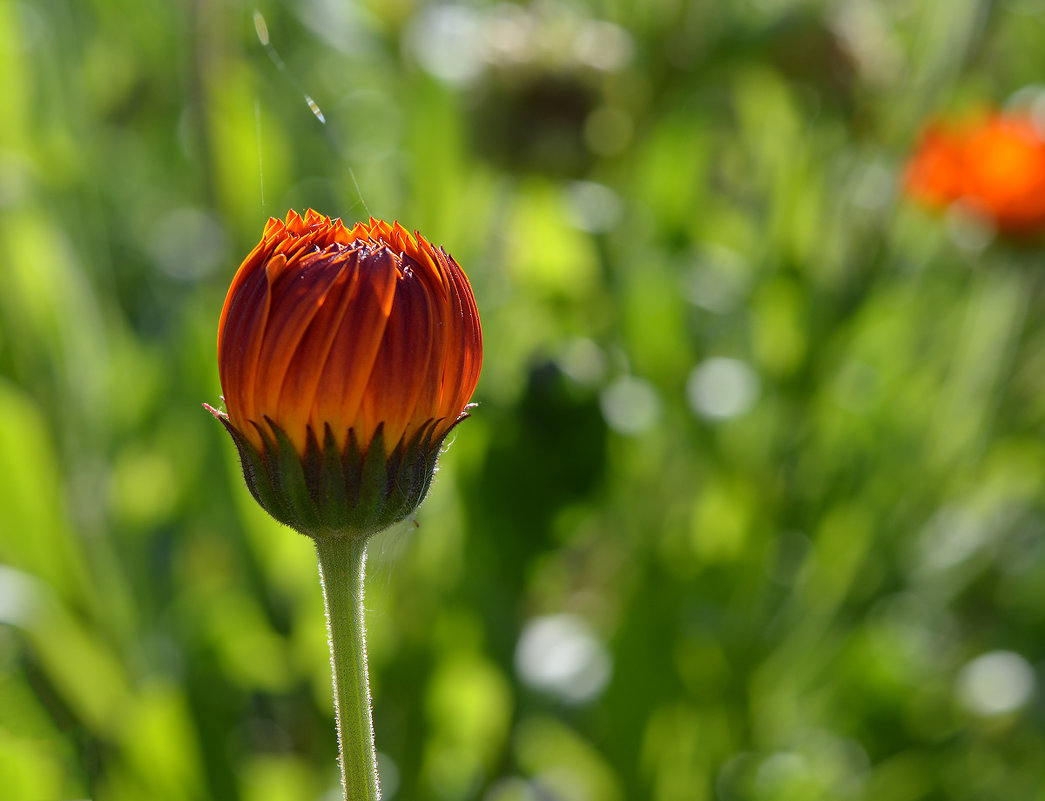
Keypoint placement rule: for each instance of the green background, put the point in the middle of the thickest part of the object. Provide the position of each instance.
(757, 466)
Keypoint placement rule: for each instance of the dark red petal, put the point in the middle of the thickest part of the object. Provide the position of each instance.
(464, 353)
(305, 370)
(440, 337)
(244, 318)
(297, 294)
(339, 395)
(402, 364)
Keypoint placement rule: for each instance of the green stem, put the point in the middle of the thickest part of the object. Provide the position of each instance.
(341, 569)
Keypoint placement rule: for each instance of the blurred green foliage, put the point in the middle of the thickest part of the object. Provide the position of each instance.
(752, 505)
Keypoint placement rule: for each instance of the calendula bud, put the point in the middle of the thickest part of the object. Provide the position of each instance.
(345, 357)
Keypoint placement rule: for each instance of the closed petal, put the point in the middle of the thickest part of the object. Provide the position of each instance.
(297, 293)
(464, 353)
(244, 319)
(346, 371)
(400, 369)
(305, 369)
(440, 333)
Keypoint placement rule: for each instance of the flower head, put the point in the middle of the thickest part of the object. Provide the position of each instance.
(354, 345)
(994, 164)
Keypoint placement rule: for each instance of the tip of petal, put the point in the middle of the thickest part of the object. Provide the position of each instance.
(294, 221)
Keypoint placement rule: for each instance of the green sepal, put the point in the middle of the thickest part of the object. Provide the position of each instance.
(352, 467)
(412, 468)
(253, 463)
(372, 478)
(327, 474)
(287, 471)
(328, 492)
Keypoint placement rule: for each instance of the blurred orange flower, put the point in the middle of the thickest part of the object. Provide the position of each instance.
(995, 164)
(332, 339)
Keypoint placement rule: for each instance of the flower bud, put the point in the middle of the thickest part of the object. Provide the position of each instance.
(345, 357)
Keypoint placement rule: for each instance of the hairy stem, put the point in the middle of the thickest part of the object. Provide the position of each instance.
(341, 569)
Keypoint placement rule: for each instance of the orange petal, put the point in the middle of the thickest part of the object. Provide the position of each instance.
(305, 369)
(297, 293)
(464, 353)
(402, 362)
(355, 346)
(244, 319)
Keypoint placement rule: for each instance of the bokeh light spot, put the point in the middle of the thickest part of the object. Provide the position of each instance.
(630, 405)
(721, 388)
(560, 655)
(996, 683)
(445, 40)
(593, 207)
(583, 361)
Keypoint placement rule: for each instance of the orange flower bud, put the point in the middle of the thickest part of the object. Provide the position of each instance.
(994, 164)
(345, 357)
